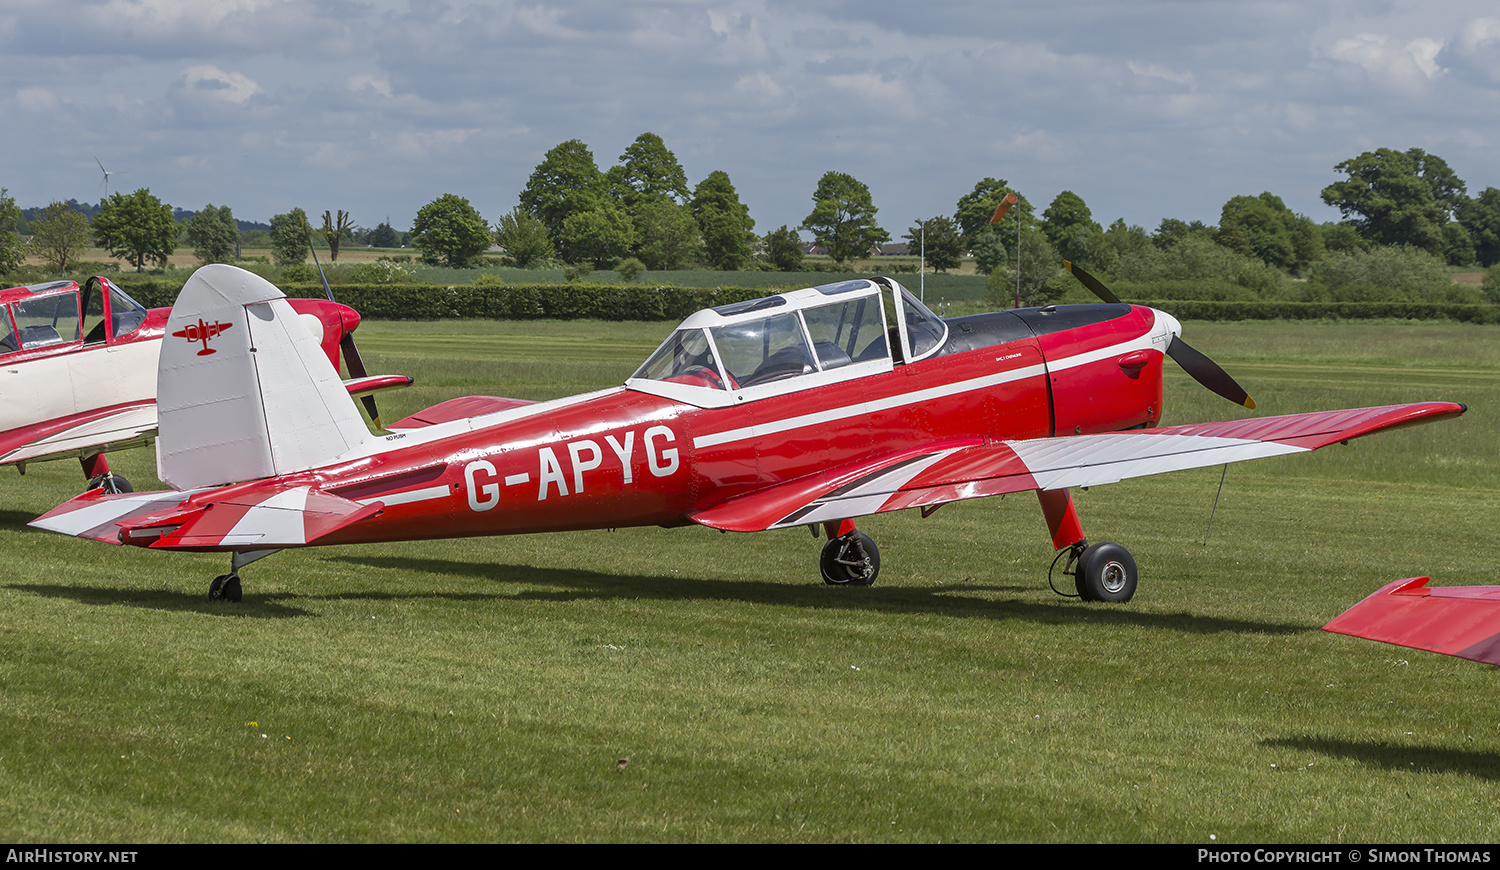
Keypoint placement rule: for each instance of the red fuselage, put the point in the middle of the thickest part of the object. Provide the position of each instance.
(624, 457)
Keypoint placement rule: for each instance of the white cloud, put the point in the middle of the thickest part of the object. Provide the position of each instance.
(208, 82)
(1405, 66)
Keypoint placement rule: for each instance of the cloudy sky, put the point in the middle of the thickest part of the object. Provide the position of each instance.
(1145, 109)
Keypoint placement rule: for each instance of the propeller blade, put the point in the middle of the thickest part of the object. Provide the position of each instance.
(1092, 283)
(1208, 373)
(1003, 207)
(352, 359)
(356, 366)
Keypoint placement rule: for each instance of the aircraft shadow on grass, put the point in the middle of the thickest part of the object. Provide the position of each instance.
(955, 600)
(1412, 759)
(260, 607)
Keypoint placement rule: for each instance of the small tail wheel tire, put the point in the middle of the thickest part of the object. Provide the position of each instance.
(226, 587)
(1106, 572)
(850, 560)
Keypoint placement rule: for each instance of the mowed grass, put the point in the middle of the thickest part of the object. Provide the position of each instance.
(684, 685)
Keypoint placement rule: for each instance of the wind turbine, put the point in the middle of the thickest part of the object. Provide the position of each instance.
(107, 174)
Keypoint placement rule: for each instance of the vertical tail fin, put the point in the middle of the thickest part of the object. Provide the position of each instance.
(243, 391)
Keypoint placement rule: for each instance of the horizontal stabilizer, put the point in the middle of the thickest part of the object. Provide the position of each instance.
(243, 517)
(952, 471)
(1462, 621)
(376, 383)
(461, 408)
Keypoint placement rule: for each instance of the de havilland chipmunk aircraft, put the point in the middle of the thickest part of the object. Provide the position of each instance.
(809, 408)
(78, 369)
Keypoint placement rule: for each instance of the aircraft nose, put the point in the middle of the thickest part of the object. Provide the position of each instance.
(1167, 326)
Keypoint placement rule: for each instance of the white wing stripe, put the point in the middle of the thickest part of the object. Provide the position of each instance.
(1057, 463)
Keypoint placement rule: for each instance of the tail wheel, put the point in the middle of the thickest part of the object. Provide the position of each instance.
(850, 560)
(1106, 572)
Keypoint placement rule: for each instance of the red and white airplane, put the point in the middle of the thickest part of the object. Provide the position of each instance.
(1462, 621)
(78, 368)
(809, 408)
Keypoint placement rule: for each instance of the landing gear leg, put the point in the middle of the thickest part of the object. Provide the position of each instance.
(226, 587)
(850, 558)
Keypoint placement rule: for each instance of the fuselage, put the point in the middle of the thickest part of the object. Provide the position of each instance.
(627, 456)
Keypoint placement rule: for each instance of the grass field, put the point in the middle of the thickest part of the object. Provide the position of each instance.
(685, 685)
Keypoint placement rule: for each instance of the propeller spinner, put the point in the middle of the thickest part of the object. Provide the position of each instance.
(1202, 369)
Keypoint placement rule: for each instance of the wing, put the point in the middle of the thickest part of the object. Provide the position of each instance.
(952, 471)
(128, 425)
(1462, 621)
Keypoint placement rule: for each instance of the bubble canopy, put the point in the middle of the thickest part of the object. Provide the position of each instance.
(793, 341)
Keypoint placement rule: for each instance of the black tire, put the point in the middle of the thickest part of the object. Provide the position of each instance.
(226, 587)
(112, 483)
(1106, 572)
(850, 560)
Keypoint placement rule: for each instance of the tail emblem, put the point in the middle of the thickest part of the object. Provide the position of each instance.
(202, 332)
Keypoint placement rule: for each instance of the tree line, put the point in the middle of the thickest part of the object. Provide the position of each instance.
(1404, 212)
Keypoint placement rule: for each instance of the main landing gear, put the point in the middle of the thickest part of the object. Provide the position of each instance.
(96, 469)
(1100, 572)
(850, 558)
(226, 587)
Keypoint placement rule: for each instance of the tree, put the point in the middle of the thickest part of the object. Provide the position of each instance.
(666, 235)
(290, 238)
(1271, 231)
(61, 235)
(599, 235)
(524, 239)
(1171, 231)
(1041, 274)
(449, 230)
(335, 229)
(1398, 197)
(211, 233)
(565, 182)
(12, 249)
(383, 236)
(939, 238)
(1064, 218)
(976, 207)
(648, 173)
(723, 222)
(136, 227)
(843, 217)
(784, 249)
(1480, 216)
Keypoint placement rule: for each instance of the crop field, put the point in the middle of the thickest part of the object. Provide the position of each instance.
(686, 685)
